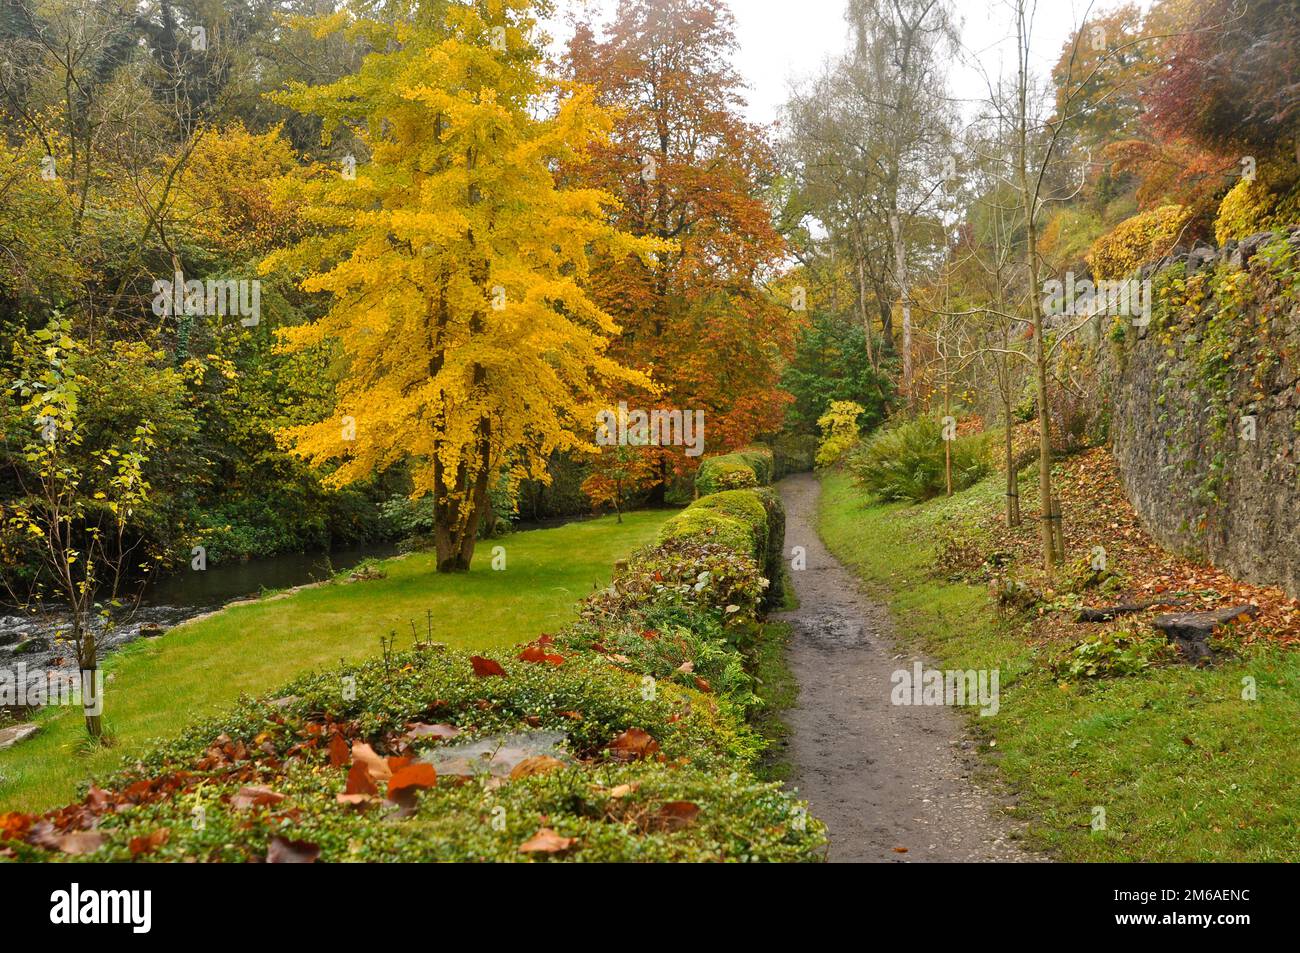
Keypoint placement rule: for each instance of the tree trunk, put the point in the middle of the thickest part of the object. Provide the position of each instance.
(1013, 485)
(91, 702)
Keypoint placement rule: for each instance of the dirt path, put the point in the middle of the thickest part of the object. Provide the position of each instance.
(881, 776)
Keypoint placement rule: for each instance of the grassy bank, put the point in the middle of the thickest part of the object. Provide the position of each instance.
(1184, 767)
(158, 686)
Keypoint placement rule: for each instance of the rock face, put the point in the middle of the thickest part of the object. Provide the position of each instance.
(15, 733)
(1205, 427)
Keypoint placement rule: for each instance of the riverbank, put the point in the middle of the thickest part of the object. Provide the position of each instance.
(157, 686)
(1171, 763)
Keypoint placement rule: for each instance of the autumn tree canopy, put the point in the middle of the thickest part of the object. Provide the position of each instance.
(687, 167)
(455, 266)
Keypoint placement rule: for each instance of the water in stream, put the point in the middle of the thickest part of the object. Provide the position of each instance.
(34, 640)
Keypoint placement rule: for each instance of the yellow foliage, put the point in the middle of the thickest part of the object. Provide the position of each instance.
(457, 269)
(1136, 241)
(839, 426)
(1271, 200)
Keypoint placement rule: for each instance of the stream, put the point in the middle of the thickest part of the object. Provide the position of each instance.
(34, 640)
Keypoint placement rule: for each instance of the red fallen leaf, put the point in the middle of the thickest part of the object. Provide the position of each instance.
(534, 653)
(359, 783)
(599, 647)
(544, 639)
(900, 850)
(546, 841)
(255, 796)
(574, 715)
(632, 745)
(397, 764)
(97, 799)
(555, 659)
(649, 634)
(338, 749)
(676, 815)
(150, 843)
(485, 667)
(421, 730)
(14, 826)
(703, 685)
(412, 776)
(374, 764)
(138, 789)
(282, 851)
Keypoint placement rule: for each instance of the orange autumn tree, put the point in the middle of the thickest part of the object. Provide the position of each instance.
(456, 267)
(687, 167)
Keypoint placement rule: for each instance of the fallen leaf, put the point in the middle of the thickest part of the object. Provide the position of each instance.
(412, 776)
(149, 843)
(255, 796)
(686, 667)
(78, 842)
(485, 667)
(633, 744)
(546, 841)
(900, 850)
(538, 764)
(375, 765)
(338, 749)
(421, 730)
(359, 783)
(282, 851)
(534, 653)
(676, 815)
(623, 790)
(14, 826)
(703, 685)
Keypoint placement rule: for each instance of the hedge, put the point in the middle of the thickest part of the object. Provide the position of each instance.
(753, 466)
(623, 737)
(751, 521)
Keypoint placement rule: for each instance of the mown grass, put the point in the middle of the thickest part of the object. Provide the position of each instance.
(1184, 767)
(157, 687)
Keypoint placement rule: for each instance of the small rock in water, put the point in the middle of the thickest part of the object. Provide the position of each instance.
(15, 733)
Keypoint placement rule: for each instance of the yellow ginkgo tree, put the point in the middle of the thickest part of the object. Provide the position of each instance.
(455, 262)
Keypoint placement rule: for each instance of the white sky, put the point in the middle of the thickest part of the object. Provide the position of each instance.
(784, 41)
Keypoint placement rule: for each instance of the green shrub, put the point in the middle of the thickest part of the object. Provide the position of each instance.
(709, 526)
(745, 507)
(727, 472)
(774, 551)
(761, 461)
(611, 810)
(1114, 654)
(906, 462)
(719, 578)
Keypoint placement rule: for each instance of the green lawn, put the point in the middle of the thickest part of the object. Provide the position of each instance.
(1184, 767)
(158, 686)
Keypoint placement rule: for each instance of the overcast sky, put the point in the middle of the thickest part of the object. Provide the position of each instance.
(783, 41)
